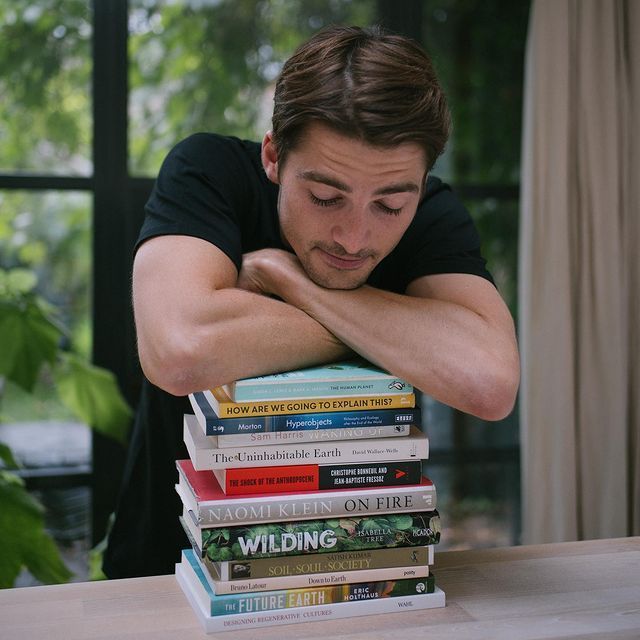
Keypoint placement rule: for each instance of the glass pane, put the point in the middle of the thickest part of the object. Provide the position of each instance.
(475, 466)
(49, 233)
(478, 50)
(478, 502)
(45, 84)
(498, 225)
(210, 66)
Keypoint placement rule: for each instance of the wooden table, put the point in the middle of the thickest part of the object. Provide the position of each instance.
(569, 590)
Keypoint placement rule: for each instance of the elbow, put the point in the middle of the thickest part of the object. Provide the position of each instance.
(495, 392)
(173, 365)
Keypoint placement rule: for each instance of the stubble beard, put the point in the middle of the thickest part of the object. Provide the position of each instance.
(331, 278)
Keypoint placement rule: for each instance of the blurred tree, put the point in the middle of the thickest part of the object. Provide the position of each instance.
(478, 50)
(45, 80)
(209, 66)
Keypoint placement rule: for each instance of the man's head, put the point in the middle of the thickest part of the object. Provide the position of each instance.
(359, 119)
(364, 83)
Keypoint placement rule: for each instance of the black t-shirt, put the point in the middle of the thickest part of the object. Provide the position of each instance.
(214, 187)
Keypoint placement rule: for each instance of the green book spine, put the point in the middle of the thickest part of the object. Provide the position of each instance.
(322, 563)
(379, 531)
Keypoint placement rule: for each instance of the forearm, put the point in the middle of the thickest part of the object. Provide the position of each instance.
(449, 352)
(198, 328)
(230, 334)
(453, 337)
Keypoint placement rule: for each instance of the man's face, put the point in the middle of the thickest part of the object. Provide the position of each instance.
(344, 205)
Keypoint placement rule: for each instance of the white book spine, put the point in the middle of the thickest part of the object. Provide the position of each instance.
(205, 453)
(239, 510)
(185, 578)
(320, 435)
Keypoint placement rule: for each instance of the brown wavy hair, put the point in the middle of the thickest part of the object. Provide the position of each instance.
(368, 84)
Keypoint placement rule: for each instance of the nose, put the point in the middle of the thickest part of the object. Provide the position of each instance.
(351, 231)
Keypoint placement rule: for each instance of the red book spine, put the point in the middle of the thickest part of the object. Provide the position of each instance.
(284, 479)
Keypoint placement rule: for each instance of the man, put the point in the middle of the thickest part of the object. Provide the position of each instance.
(328, 239)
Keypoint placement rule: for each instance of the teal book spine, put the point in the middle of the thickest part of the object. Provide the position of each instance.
(349, 378)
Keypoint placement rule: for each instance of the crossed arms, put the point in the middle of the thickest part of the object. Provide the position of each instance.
(200, 323)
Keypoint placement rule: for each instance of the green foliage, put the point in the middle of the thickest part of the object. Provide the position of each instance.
(48, 234)
(211, 66)
(6, 456)
(45, 80)
(32, 336)
(29, 337)
(23, 539)
(92, 394)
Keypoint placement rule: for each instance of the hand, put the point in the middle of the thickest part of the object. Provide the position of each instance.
(271, 272)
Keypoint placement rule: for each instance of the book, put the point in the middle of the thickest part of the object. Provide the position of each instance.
(321, 562)
(302, 581)
(193, 586)
(233, 603)
(246, 542)
(213, 425)
(201, 493)
(355, 377)
(205, 453)
(318, 477)
(321, 435)
(222, 405)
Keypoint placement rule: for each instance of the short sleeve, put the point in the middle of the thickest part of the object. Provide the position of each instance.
(201, 191)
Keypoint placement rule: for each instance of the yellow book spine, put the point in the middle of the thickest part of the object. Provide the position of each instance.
(228, 409)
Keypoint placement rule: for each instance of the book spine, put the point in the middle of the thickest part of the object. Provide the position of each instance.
(215, 426)
(232, 511)
(228, 409)
(254, 391)
(320, 536)
(322, 435)
(230, 604)
(322, 563)
(196, 594)
(313, 477)
(223, 587)
(205, 454)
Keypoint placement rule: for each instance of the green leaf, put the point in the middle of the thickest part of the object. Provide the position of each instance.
(29, 339)
(6, 455)
(402, 522)
(23, 539)
(92, 394)
(17, 282)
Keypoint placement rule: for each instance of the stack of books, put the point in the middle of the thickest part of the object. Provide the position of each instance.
(304, 499)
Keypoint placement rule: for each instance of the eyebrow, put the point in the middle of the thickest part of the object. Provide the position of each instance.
(396, 187)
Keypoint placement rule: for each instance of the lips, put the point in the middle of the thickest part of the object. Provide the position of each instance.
(345, 263)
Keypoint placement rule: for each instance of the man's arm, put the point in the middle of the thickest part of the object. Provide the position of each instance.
(451, 336)
(196, 330)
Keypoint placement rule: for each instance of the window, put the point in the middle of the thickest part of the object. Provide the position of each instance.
(96, 93)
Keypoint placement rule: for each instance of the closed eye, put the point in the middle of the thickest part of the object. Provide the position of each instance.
(389, 210)
(323, 203)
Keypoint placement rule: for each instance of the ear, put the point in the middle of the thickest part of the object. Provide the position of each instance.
(269, 157)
